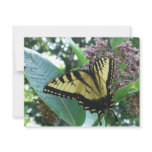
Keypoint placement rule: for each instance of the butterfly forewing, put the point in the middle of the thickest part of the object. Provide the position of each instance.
(73, 84)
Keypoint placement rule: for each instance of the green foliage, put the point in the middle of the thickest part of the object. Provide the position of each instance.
(135, 41)
(80, 54)
(117, 41)
(57, 47)
(40, 70)
(127, 90)
(28, 93)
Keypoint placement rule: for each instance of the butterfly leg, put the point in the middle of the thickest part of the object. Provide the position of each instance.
(99, 119)
(116, 119)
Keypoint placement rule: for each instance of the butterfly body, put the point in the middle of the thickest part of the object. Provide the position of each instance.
(90, 87)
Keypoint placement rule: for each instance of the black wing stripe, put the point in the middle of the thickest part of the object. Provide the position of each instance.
(78, 76)
(98, 66)
(54, 91)
(61, 79)
(68, 75)
(102, 62)
(93, 76)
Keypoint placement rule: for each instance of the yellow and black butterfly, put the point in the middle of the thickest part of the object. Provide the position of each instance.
(90, 87)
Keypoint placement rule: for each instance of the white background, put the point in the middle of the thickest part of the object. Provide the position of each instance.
(137, 14)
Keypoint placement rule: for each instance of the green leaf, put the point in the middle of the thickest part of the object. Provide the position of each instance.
(122, 66)
(96, 122)
(127, 90)
(79, 53)
(117, 41)
(135, 42)
(38, 71)
(90, 119)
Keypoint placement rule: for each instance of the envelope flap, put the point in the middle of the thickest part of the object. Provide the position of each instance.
(18, 49)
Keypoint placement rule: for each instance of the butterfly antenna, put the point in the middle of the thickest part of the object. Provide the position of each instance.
(99, 120)
(116, 119)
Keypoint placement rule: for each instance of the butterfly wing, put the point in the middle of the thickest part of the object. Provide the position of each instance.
(75, 84)
(89, 87)
(103, 69)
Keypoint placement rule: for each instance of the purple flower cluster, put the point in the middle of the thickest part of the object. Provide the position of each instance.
(96, 50)
(129, 58)
(126, 59)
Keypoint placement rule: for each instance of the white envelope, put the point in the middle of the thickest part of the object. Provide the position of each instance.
(19, 32)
